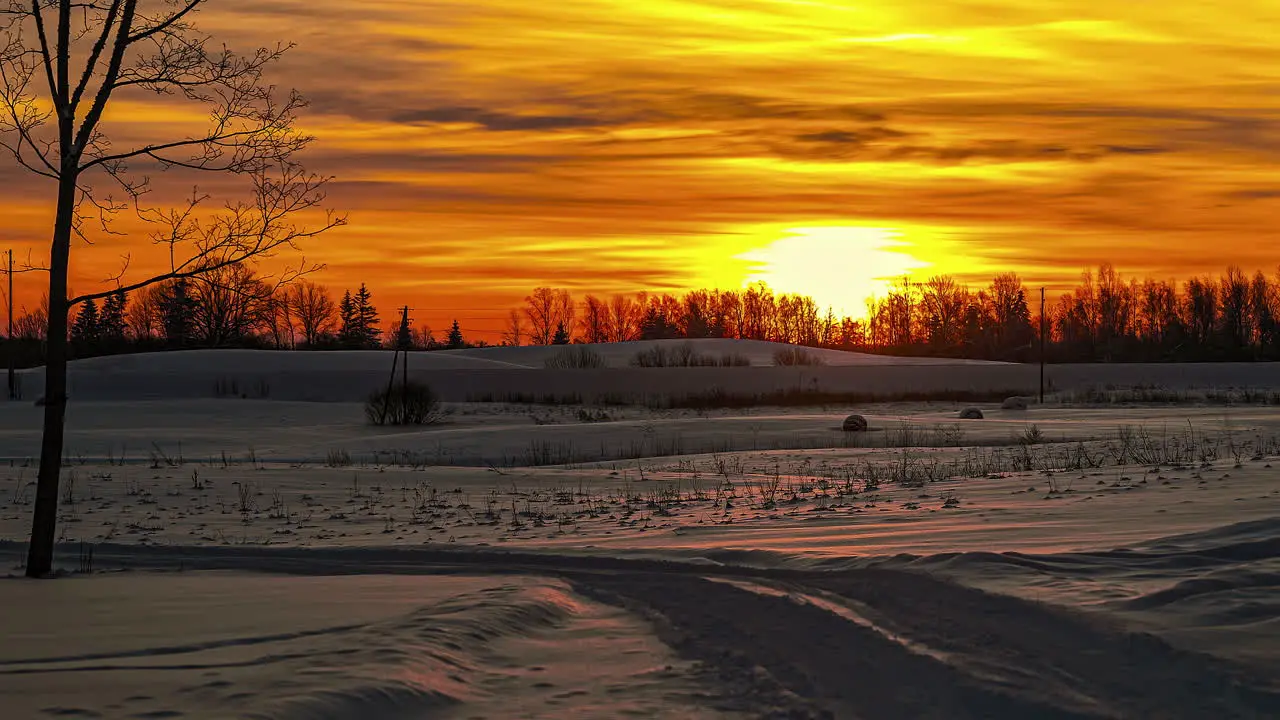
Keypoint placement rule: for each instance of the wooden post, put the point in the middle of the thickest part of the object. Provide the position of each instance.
(13, 380)
(1043, 331)
(391, 385)
(404, 345)
(401, 345)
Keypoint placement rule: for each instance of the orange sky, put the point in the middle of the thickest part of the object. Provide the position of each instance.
(483, 147)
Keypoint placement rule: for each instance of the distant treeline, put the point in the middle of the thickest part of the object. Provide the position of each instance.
(1105, 318)
(232, 307)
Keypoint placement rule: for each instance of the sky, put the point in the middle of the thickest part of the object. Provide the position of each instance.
(485, 147)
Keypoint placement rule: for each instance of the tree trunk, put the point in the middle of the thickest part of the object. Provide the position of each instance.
(44, 524)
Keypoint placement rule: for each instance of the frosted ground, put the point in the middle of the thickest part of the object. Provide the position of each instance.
(259, 551)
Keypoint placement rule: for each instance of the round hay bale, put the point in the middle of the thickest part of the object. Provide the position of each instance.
(854, 423)
(1015, 403)
(971, 413)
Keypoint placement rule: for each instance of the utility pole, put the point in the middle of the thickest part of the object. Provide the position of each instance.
(1043, 330)
(401, 345)
(406, 341)
(13, 380)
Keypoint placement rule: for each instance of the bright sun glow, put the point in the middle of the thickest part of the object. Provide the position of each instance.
(839, 266)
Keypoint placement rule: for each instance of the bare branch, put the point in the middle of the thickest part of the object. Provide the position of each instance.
(29, 266)
(21, 115)
(91, 119)
(63, 53)
(46, 56)
(165, 25)
(250, 129)
(91, 65)
(241, 233)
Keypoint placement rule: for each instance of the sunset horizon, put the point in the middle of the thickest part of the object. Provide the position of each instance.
(481, 150)
(694, 359)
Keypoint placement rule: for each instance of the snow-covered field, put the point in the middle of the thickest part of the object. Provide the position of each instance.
(502, 374)
(272, 558)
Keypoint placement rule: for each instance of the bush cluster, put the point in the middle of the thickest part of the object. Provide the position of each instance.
(797, 356)
(411, 404)
(684, 355)
(575, 358)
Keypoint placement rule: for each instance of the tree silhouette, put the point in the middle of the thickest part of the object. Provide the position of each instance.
(624, 317)
(313, 308)
(562, 335)
(145, 314)
(114, 324)
(86, 331)
(229, 304)
(365, 318)
(455, 340)
(1010, 317)
(513, 334)
(61, 64)
(1235, 319)
(548, 309)
(1262, 309)
(34, 324)
(942, 309)
(595, 320)
(348, 333)
(659, 321)
(177, 308)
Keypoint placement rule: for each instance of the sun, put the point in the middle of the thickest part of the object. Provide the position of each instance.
(839, 266)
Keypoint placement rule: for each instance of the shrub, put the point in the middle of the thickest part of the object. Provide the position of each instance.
(412, 404)
(575, 358)
(338, 458)
(796, 356)
(1033, 435)
(229, 387)
(655, 357)
(683, 355)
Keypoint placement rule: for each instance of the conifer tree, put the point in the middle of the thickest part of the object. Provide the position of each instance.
(562, 335)
(455, 337)
(178, 308)
(347, 335)
(366, 327)
(113, 319)
(86, 331)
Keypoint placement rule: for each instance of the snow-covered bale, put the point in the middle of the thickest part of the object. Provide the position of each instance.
(971, 413)
(1015, 403)
(854, 423)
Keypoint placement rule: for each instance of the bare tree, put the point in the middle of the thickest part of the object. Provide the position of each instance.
(33, 325)
(514, 332)
(146, 313)
(624, 317)
(1233, 309)
(279, 322)
(942, 306)
(314, 310)
(547, 310)
(61, 64)
(595, 320)
(230, 304)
